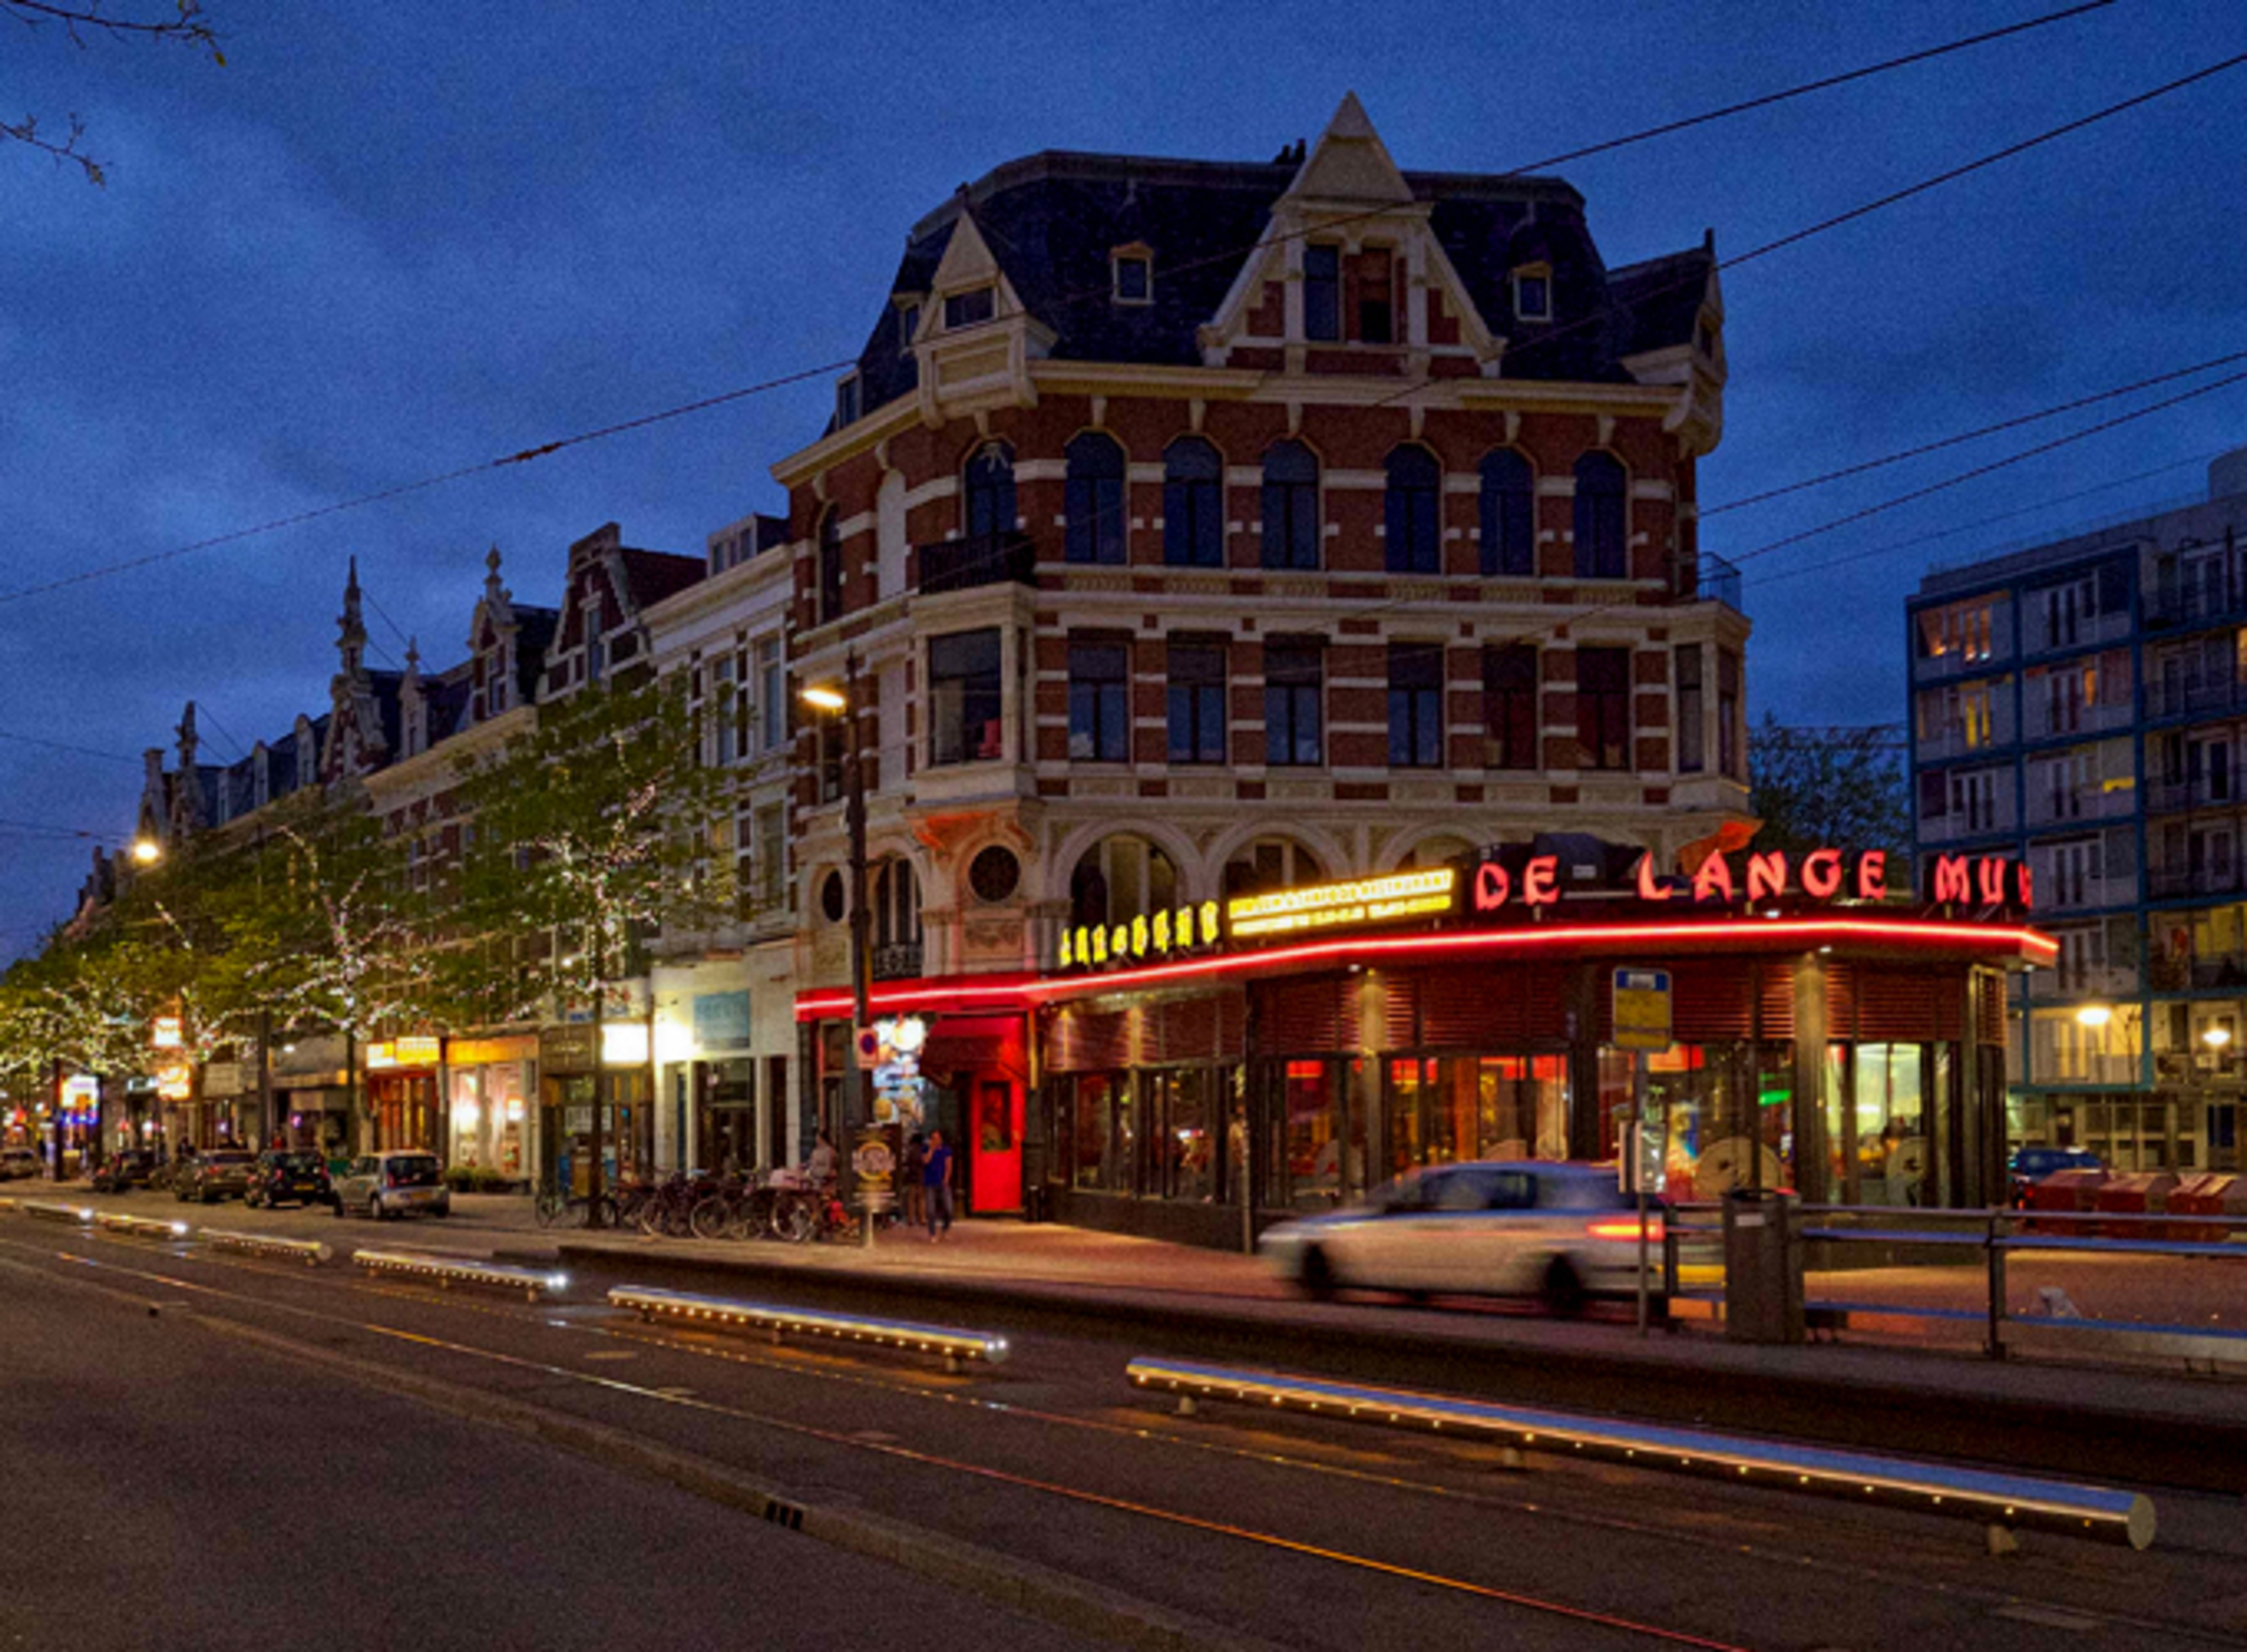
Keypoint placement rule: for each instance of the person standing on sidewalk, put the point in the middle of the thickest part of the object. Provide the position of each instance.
(914, 1165)
(936, 1186)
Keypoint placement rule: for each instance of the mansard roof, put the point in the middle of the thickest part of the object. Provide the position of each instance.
(1052, 220)
(657, 574)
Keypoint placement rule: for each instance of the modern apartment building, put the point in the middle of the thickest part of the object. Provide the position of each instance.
(2082, 703)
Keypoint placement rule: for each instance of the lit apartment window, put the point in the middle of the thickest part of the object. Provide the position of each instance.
(1603, 708)
(966, 698)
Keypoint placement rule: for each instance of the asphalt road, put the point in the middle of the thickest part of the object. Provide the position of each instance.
(193, 1488)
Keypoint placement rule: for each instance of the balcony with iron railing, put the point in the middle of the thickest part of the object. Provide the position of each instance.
(966, 564)
(2213, 594)
(2193, 694)
(2172, 883)
(2196, 791)
(1718, 579)
(898, 962)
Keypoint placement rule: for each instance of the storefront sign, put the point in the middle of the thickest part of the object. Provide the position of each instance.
(566, 1049)
(1189, 929)
(81, 1092)
(1366, 900)
(402, 1052)
(221, 1078)
(722, 1019)
(1770, 875)
(894, 1066)
(164, 1032)
(175, 1084)
(1640, 999)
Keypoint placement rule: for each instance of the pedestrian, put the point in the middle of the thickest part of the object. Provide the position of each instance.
(915, 1165)
(936, 1184)
(820, 1170)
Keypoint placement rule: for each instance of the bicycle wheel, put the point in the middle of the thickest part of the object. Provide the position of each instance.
(794, 1219)
(601, 1212)
(710, 1218)
(649, 1217)
(548, 1208)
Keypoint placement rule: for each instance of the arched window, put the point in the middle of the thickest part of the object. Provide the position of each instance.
(831, 568)
(1602, 551)
(1414, 539)
(1509, 516)
(896, 904)
(1120, 878)
(1265, 864)
(1291, 507)
(991, 493)
(1193, 505)
(1094, 500)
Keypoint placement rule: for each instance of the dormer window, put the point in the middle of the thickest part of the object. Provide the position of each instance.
(1133, 269)
(846, 402)
(1533, 294)
(969, 309)
(908, 325)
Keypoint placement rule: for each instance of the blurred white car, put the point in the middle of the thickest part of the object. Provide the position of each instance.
(1530, 1227)
(17, 1163)
(392, 1183)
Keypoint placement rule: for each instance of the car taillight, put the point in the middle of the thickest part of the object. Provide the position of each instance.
(1625, 1228)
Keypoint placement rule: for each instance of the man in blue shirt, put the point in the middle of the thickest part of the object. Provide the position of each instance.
(936, 1177)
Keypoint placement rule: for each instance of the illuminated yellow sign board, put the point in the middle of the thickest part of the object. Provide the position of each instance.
(1365, 900)
(165, 1034)
(401, 1052)
(174, 1083)
(1162, 935)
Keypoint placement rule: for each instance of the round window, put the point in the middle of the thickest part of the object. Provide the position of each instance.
(830, 898)
(995, 873)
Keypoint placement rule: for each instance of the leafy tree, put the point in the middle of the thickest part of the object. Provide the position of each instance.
(589, 834)
(81, 21)
(1839, 786)
(340, 940)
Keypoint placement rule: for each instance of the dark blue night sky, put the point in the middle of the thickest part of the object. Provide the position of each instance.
(388, 242)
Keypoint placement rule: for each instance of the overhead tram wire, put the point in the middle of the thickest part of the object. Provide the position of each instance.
(65, 745)
(704, 404)
(1964, 436)
(1980, 523)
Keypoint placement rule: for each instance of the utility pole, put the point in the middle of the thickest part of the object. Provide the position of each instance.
(856, 1107)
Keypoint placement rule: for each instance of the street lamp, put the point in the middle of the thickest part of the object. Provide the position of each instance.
(146, 852)
(2217, 1037)
(2094, 1015)
(843, 702)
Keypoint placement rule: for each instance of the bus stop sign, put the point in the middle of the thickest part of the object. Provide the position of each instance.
(1642, 1009)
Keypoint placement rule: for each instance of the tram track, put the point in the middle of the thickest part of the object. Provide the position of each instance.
(1205, 1441)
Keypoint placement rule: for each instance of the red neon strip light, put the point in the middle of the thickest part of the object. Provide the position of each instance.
(2039, 946)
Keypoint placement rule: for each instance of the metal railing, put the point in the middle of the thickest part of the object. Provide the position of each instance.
(2003, 1500)
(955, 1347)
(963, 564)
(449, 1271)
(1995, 1237)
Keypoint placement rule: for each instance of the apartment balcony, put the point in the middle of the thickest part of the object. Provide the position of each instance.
(2087, 980)
(2073, 808)
(1959, 824)
(965, 565)
(2171, 883)
(901, 962)
(2219, 594)
(2189, 695)
(1718, 580)
(2200, 792)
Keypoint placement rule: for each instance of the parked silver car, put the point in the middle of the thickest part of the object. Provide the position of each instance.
(392, 1183)
(18, 1163)
(1563, 1231)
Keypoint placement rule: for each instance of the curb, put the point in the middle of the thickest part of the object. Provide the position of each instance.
(2138, 1445)
(1020, 1586)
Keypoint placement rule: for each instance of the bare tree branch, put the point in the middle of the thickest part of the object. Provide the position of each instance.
(179, 21)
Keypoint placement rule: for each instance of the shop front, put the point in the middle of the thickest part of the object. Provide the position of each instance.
(312, 1095)
(585, 1103)
(488, 1084)
(949, 1055)
(1827, 1038)
(401, 1092)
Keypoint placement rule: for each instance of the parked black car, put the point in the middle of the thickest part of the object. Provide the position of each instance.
(135, 1167)
(289, 1178)
(224, 1173)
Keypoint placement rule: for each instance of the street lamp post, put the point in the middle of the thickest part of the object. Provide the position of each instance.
(857, 1108)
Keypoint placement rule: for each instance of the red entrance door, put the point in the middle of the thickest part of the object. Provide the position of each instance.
(994, 1144)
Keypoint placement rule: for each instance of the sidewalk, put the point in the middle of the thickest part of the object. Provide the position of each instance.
(1182, 1292)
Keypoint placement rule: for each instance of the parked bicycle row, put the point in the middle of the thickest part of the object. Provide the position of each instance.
(783, 1205)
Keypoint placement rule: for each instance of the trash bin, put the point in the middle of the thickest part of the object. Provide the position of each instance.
(2140, 1194)
(1036, 1204)
(1763, 1266)
(2064, 1191)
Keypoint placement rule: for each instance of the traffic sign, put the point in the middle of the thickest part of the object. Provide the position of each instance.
(1642, 1009)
